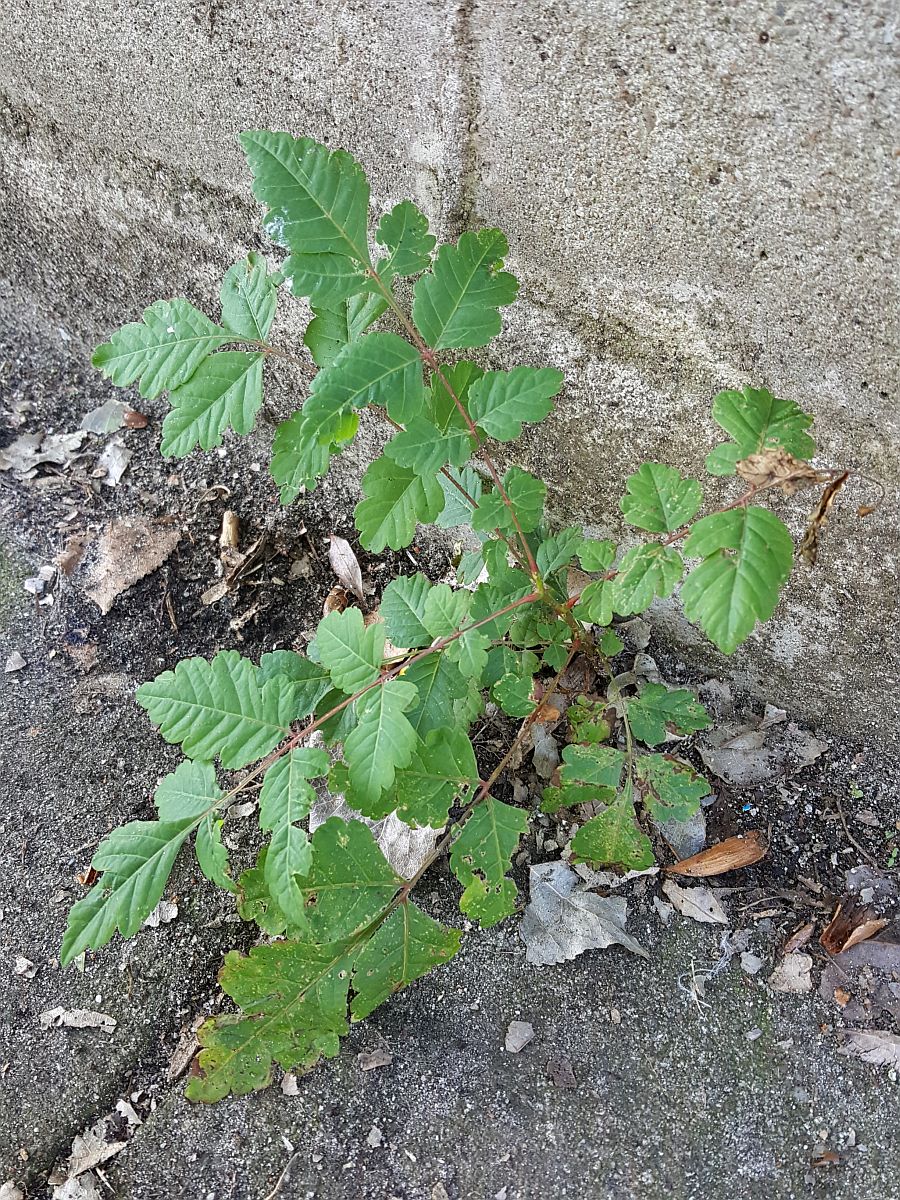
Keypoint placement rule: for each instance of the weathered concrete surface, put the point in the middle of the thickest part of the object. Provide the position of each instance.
(695, 198)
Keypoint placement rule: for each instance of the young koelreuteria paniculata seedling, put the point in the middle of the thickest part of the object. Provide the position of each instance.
(349, 932)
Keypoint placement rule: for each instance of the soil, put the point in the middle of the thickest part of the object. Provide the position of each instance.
(638, 1083)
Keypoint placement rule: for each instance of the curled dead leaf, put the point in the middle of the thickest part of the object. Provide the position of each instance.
(853, 922)
(345, 565)
(730, 855)
(336, 600)
(809, 547)
(777, 468)
(799, 937)
(865, 510)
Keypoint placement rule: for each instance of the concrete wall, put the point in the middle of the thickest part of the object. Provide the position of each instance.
(697, 196)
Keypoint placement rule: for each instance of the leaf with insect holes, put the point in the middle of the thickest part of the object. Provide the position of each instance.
(219, 707)
(659, 500)
(286, 798)
(597, 556)
(501, 400)
(336, 325)
(441, 767)
(645, 572)
(747, 555)
(225, 390)
(248, 297)
(407, 946)
(161, 351)
(597, 765)
(382, 741)
(513, 694)
(656, 708)
(758, 421)
(597, 602)
(397, 499)
(481, 856)
(136, 861)
(456, 304)
(526, 495)
(403, 611)
(351, 651)
(613, 837)
(423, 447)
(317, 200)
(404, 232)
(672, 789)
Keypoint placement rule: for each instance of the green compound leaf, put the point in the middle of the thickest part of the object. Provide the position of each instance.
(659, 500)
(425, 449)
(556, 552)
(457, 510)
(597, 556)
(397, 500)
(481, 856)
(351, 651)
(248, 297)
(403, 610)
(657, 708)
(404, 232)
(380, 368)
(672, 789)
(457, 303)
(327, 279)
(349, 884)
(440, 403)
(219, 707)
(190, 791)
(310, 680)
(758, 421)
(438, 683)
(317, 200)
(136, 861)
(597, 765)
(513, 694)
(747, 555)
(406, 947)
(294, 997)
(336, 325)
(162, 351)
(382, 741)
(442, 766)
(526, 495)
(646, 572)
(286, 798)
(446, 610)
(299, 458)
(501, 400)
(225, 390)
(598, 601)
(613, 838)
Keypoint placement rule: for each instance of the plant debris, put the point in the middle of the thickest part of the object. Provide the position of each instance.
(735, 852)
(876, 1046)
(345, 565)
(15, 662)
(792, 974)
(563, 919)
(77, 1018)
(698, 903)
(128, 550)
(106, 419)
(753, 751)
(518, 1035)
(371, 1060)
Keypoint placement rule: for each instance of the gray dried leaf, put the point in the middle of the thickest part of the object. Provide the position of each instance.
(15, 662)
(128, 550)
(106, 419)
(114, 460)
(748, 753)
(370, 1060)
(9, 1191)
(79, 1187)
(76, 1018)
(563, 919)
(792, 974)
(698, 903)
(24, 967)
(876, 1046)
(165, 911)
(345, 565)
(289, 1085)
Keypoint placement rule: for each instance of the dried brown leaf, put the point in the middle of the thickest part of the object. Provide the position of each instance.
(730, 855)
(345, 565)
(336, 600)
(777, 468)
(809, 547)
(799, 937)
(853, 922)
(128, 550)
(876, 1046)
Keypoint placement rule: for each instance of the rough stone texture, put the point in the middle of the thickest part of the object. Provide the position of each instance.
(695, 199)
